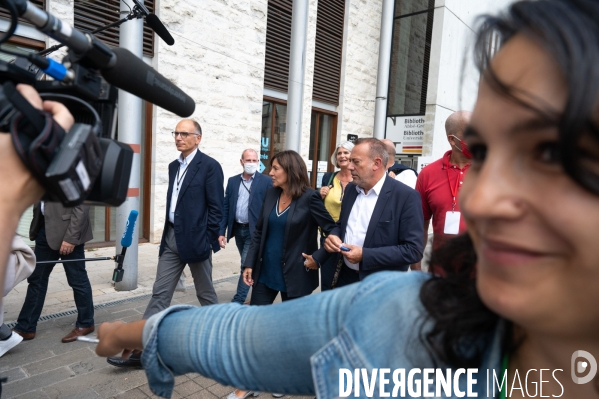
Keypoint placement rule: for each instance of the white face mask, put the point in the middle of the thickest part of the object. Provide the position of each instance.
(250, 168)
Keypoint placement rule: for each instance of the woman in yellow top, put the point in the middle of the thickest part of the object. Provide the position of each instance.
(333, 188)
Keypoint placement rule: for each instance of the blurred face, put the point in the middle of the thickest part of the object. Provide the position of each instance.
(534, 229)
(278, 175)
(343, 155)
(189, 144)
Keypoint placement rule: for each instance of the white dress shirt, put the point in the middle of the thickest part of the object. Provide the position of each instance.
(183, 164)
(407, 177)
(359, 217)
(243, 200)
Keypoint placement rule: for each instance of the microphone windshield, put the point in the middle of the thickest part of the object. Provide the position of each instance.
(157, 26)
(129, 228)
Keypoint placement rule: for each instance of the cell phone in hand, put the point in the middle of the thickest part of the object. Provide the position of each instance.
(345, 249)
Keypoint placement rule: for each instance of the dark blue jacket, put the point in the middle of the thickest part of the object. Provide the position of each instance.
(257, 192)
(306, 214)
(199, 208)
(397, 168)
(395, 234)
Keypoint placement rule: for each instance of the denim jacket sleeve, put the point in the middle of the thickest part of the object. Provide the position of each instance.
(295, 347)
(264, 348)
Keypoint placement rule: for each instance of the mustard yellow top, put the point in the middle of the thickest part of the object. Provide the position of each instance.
(333, 199)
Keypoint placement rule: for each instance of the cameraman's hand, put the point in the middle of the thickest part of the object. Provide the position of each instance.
(25, 190)
(59, 112)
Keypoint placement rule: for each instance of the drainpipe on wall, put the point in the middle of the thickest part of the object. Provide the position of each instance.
(297, 64)
(129, 131)
(382, 82)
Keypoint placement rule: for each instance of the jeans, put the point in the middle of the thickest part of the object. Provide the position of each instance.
(38, 285)
(243, 239)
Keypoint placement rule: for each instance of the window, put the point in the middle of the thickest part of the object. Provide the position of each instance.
(4, 13)
(90, 15)
(323, 132)
(410, 55)
(274, 126)
(328, 50)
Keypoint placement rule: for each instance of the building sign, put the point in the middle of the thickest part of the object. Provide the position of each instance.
(424, 161)
(407, 132)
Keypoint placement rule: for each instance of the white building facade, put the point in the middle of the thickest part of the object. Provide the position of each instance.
(229, 57)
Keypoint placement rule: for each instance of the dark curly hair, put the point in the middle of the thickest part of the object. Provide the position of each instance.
(568, 31)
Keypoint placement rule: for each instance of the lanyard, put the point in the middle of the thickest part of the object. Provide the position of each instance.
(504, 366)
(249, 190)
(454, 190)
(182, 176)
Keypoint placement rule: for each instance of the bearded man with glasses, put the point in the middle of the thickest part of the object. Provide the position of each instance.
(193, 213)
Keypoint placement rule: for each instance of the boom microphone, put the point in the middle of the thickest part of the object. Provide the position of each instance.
(117, 274)
(135, 76)
(157, 26)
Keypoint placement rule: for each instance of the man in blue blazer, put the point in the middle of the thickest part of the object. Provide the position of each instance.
(193, 213)
(243, 201)
(381, 220)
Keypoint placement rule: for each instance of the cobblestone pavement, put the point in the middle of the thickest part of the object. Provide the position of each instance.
(46, 368)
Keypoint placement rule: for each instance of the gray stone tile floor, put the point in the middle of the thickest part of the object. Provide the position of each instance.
(46, 368)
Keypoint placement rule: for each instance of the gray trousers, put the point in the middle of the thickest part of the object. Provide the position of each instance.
(170, 267)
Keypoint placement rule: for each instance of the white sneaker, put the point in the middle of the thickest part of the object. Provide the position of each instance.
(248, 393)
(278, 395)
(10, 343)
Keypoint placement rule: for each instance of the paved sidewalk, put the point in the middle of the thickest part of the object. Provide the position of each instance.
(60, 296)
(47, 368)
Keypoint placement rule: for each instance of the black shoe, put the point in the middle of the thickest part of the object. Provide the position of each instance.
(134, 361)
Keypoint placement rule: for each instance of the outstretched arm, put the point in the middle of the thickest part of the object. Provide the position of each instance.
(264, 348)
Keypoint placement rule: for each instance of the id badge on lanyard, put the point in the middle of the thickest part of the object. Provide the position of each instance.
(452, 218)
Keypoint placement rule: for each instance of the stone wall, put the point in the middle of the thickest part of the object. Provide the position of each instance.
(218, 59)
(359, 68)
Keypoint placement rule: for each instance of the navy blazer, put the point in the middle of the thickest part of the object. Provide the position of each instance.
(395, 235)
(199, 208)
(257, 192)
(306, 213)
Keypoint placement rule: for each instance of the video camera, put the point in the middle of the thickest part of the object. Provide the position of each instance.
(85, 163)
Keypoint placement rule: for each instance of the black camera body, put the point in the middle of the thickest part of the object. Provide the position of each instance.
(85, 164)
(88, 164)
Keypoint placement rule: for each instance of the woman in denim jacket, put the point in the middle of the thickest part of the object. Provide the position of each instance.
(522, 289)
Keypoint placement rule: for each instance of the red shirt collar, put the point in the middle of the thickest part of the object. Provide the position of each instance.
(446, 163)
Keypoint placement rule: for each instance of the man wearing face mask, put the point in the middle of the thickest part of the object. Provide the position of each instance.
(439, 184)
(243, 202)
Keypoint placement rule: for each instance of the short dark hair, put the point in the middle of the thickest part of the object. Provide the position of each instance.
(297, 173)
(376, 149)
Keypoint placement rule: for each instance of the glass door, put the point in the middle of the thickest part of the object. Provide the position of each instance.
(323, 132)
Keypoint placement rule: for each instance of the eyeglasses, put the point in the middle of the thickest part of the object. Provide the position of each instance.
(183, 135)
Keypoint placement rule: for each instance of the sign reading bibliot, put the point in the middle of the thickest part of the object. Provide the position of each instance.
(407, 132)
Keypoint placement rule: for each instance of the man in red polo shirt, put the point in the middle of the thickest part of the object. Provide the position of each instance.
(439, 184)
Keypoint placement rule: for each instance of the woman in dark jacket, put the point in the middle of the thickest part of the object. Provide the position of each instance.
(279, 259)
